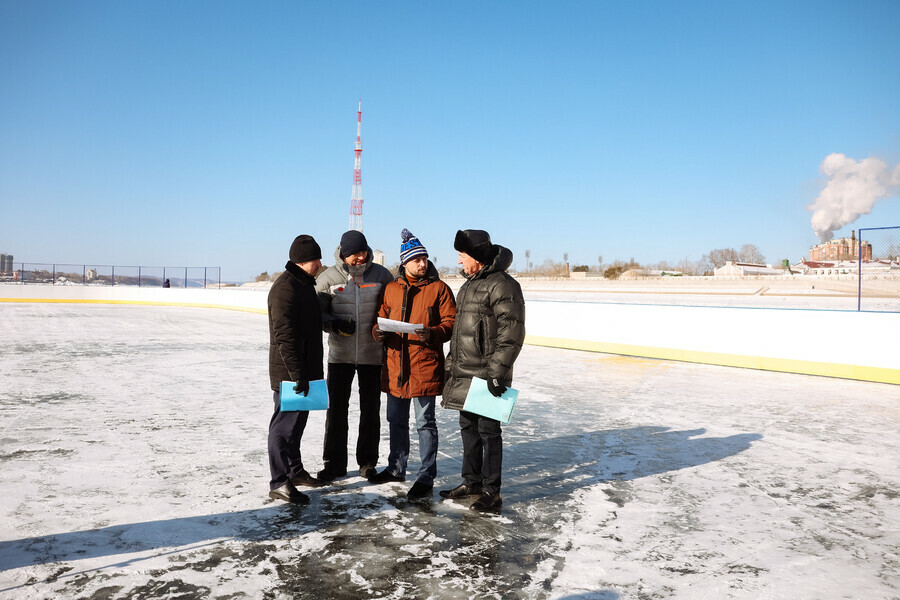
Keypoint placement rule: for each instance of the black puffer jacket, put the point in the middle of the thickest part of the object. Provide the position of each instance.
(295, 328)
(489, 330)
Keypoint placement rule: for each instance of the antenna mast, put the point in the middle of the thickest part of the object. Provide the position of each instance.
(356, 199)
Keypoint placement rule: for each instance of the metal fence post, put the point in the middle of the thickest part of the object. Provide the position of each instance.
(185, 277)
(114, 274)
(859, 274)
(53, 276)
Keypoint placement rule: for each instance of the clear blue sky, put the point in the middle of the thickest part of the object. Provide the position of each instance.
(211, 133)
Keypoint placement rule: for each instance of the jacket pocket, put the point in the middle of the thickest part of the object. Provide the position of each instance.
(479, 337)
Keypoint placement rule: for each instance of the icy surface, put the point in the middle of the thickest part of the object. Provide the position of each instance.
(133, 465)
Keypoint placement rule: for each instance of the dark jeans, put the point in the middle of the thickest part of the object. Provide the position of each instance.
(426, 426)
(482, 450)
(285, 432)
(340, 378)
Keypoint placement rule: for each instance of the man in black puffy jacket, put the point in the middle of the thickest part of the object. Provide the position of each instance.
(487, 338)
(295, 354)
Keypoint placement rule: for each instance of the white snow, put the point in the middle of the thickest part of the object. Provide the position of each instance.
(133, 452)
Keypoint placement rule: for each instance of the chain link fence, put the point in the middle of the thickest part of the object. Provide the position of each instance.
(879, 276)
(102, 275)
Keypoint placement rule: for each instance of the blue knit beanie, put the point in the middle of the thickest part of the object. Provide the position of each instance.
(411, 247)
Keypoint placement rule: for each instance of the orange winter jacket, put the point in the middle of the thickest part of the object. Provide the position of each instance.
(411, 367)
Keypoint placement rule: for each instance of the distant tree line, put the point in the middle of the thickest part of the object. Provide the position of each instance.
(708, 263)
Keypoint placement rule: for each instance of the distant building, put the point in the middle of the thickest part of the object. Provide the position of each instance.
(6, 263)
(845, 267)
(739, 269)
(842, 249)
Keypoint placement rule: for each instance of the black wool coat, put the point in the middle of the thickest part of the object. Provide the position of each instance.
(489, 330)
(295, 328)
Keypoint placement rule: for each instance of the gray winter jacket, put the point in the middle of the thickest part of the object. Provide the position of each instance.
(345, 293)
(489, 330)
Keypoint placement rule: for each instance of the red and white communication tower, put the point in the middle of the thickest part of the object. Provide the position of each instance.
(356, 199)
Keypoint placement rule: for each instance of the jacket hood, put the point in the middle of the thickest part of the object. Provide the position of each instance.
(345, 268)
(503, 260)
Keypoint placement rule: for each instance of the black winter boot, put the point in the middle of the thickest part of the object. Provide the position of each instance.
(289, 493)
(462, 490)
(385, 477)
(487, 503)
(419, 490)
(306, 480)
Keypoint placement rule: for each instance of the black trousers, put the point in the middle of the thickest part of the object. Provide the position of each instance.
(482, 450)
(340, 379)
(285, 432)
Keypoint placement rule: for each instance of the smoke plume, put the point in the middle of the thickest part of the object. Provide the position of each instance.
(853, 189)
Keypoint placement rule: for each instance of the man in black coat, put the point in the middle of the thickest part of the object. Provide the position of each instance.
(295, 354)
(487, 338)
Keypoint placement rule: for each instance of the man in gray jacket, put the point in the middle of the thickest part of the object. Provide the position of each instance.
(487, 338)
(350, 293)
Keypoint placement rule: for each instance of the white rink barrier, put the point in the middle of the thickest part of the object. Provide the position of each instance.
(250, 300)
(846, 344)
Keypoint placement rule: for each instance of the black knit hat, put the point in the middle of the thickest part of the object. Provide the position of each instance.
(477, 244)
(352, 242)
(304, 249)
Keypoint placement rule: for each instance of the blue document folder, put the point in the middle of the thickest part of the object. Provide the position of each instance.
(316, 399)
(482, 402)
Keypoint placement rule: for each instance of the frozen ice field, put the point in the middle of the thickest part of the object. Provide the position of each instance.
(133, 465)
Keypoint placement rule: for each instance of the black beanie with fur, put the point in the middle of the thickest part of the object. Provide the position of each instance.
(477, 244)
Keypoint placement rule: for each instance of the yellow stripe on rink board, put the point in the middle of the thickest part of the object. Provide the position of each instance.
(784, 365)
(260, 311)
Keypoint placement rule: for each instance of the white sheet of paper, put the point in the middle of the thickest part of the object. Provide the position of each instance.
(398, 326)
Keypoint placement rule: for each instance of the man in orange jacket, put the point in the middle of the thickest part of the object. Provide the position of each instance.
(414, 363)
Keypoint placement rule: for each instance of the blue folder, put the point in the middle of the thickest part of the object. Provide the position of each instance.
(316, 399)
(482, 402)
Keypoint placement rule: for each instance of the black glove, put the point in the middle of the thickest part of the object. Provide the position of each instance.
(425, 334)
(495, 387)
(378, 334)
(301, 387)
(344, 328)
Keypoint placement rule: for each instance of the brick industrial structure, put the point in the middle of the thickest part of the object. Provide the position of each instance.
(841, 249)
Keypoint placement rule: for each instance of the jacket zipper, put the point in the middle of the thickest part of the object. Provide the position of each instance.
(357, 322)
(404, 339)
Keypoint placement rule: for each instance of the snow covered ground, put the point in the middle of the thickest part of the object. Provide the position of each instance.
(133, 465)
